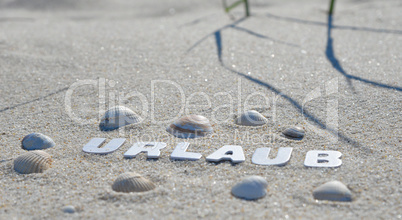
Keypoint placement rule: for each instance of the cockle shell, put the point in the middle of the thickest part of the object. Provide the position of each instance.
(250, 188)
(117, 117)
(37, 141)
(251, 118)
(190, 126)
(296, 133)
(132, 182)
(333, 191)
(32, 162)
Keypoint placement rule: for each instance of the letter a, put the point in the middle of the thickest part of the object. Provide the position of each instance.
(321, 158)
(228, 152)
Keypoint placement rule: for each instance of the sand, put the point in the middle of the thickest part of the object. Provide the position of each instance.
(63, 63)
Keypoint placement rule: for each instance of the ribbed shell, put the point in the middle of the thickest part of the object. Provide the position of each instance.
(333, 191)
(190, 126)
(294, 133)
(37, 141)
(250, 188)
(117, 117)
(132, 182)
(251, 118)
(32, 162)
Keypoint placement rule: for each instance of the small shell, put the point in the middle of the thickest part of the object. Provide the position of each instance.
(117, 117)
(190, 126)
(132, 182)
(253, 187)
(333, 191)
(68, 209)
(251, 118)
(296, 133)
(32, 162)
(37, 141)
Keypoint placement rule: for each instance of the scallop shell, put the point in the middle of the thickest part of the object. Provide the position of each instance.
(333, 191)
(37, 141)
(296, 133)
(117, 117)
(132, 182)
(190, 126)
(250, 188)
(32, 162)
(251, 118)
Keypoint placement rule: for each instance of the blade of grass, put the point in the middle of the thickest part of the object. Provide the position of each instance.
(331, 7)
(227, 9)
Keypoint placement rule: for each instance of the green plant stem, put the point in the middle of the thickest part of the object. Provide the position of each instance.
(227, 9)
(247, 9)
(331, 7)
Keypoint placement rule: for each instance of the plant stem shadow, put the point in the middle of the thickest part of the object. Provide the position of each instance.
(329, 52)
(33, 100)
(296, 105)
(234, 26)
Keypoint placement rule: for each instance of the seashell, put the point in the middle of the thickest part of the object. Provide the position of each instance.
(296, 133)
(190, 126)
(333, 191)
(117, 117)
(68, 209)
(37, 141)
(32, 162)
(132, 182)
(251, 118)
(250, 188)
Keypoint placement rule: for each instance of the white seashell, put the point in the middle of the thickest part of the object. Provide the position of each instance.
(253, 187)
(251, 118)
(37, 141)
(333, 191)
(296, 133)
(32, 162)
(190, 126)
(132, 182)
(117, 117)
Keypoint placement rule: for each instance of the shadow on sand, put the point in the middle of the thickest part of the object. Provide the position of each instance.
(33, 100)
(218, 40)
(329, 51)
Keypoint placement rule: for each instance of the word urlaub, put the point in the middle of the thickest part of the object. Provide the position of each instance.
(233, 153)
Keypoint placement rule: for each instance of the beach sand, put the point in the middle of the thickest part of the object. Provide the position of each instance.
(63, 63)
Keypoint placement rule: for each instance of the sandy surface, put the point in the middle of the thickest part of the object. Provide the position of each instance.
(283, 61)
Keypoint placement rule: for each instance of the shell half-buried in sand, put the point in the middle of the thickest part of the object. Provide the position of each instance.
(333, 191)
(37, 141)
(190, 126)
(32, 162)
(250, 188)
(132, 182)
(117, 117)
(295, 133)
(251, 118)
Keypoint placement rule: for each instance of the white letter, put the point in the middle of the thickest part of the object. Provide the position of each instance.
(180, 153)
(260, 156)
(93, 145)
(152, 152)
(228, 152)
(321, 158)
